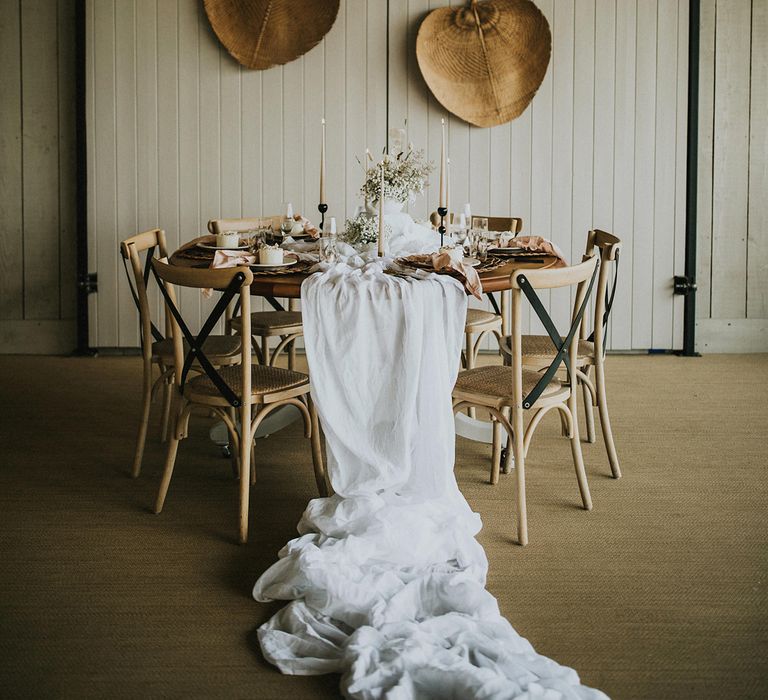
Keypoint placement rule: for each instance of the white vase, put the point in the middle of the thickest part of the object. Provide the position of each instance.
(391, 206)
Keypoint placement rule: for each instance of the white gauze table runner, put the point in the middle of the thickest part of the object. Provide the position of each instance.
(387, 581)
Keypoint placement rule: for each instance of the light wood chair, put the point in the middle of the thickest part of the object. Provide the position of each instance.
(480, 322)
(156, 348)
(506, 392)
(252, 390)
(265, 325)
(537, 350)
(513, 224)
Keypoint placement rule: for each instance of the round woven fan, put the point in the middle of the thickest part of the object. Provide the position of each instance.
(485, 61)
(265, 33)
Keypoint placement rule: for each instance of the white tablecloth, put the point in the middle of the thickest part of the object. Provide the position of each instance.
(387, 581)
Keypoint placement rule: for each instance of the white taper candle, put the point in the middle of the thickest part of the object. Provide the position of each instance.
(442, 163)
(381, 214)
(322, 164)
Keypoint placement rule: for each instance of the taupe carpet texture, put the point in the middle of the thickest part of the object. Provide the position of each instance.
(659, 592)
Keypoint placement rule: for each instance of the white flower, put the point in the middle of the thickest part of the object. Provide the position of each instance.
(404, 175)
(363, 229)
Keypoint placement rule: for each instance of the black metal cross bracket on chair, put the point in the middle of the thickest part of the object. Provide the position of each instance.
(195, 351)
(561, 344)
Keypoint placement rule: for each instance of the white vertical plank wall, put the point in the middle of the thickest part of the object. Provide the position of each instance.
(179, 133)
(732, 213)
(37, 176)
(602, 145)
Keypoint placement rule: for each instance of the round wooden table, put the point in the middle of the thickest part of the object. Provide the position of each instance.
(288, 285)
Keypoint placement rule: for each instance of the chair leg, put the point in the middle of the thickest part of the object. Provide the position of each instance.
(519, 452)
(321, 476)
(146, 401)
(470, 363)
(245, 470)
(496, 453)
(508, 451)
(170, 461)
(578, 457)
(265, 350)
(589, 414)
(605, 421)
(233, 452)
(253, 462)
(292, 355)
(165, 420)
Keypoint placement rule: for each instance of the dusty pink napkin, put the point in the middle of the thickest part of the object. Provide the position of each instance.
(537, 244)
(450, 261)
(309, 228)
(228, 258)
(232, 258)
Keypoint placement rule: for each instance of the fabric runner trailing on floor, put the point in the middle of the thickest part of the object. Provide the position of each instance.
(387, 581)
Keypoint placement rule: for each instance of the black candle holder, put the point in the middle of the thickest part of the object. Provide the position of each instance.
(322, 208)
(443, 212)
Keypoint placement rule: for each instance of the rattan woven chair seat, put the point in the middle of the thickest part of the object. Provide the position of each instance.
(215, 346)
(495, 382)
(479, 317)
(264, 380)
(541, 347)
(269, 322)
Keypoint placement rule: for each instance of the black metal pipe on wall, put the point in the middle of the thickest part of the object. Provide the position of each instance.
(689, 313)
(81, 174)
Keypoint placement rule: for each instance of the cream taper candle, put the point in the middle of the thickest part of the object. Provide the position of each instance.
(442, 163)
(381, 214)
(448, 194)
(322, 164)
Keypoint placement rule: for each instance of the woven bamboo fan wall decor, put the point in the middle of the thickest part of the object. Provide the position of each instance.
(264, 33)
(485, 61)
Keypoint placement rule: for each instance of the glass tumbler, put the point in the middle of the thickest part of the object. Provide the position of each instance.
(328, 249)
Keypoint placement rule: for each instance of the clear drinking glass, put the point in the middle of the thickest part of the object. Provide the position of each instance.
(328, 249)
(285, 226)
(254, 238)
(470, 242)
(483, 243)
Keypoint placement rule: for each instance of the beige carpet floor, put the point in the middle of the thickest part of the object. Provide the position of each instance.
(659, 592)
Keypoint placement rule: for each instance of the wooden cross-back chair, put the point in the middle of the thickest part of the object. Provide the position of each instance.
(252, 391)
(508, 391)
(280, 323)
(513, 224)
(157, 346)
(537, 350)
(480, 322)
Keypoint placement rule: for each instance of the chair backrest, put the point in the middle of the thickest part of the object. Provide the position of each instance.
(235, 281)
(495, 223)
(501, 223)
(525, 283)
(248, 224)
(609, 247)
(148, 243)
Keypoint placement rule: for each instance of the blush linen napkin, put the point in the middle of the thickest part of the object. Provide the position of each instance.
(453, 259)
(450, 261)
(309, 228)
(535, 244)
(229, 258)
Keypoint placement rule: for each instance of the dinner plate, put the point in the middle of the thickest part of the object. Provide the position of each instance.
(285, 263)
(211, 246)
(513, 252)
(472, 262)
